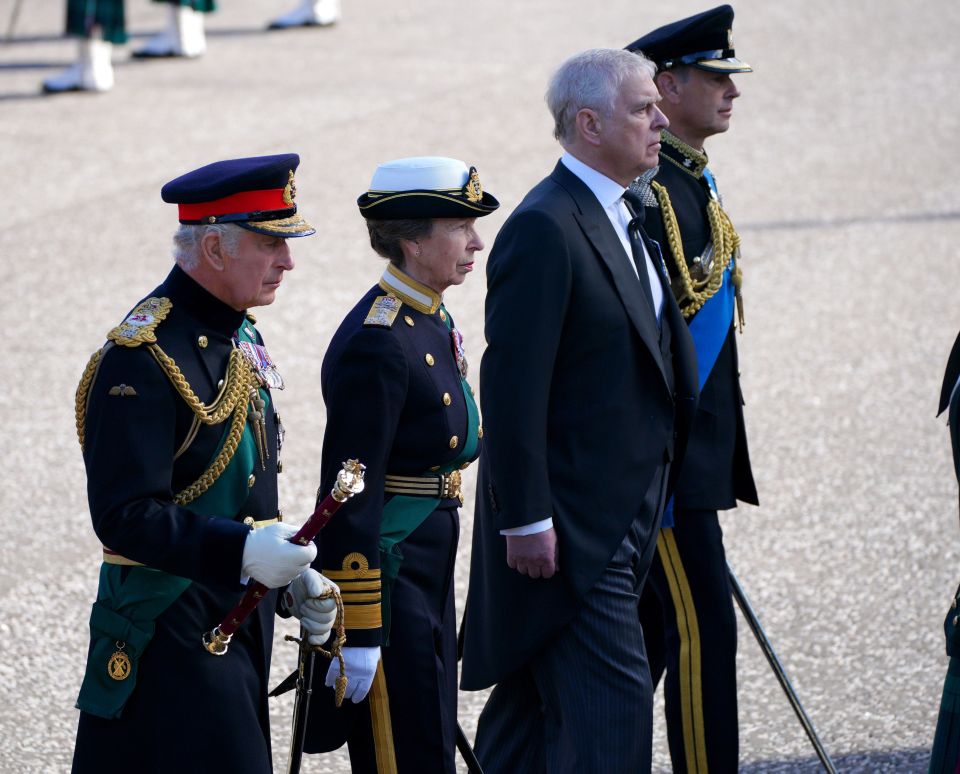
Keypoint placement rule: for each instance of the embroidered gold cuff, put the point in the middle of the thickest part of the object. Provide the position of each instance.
(361, 616)
(363, 596)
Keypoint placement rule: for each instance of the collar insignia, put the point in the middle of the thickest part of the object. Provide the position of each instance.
(473, 190)
(290, 190)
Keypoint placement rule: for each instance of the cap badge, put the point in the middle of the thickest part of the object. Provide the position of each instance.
(290, 190)
(729, 38)
(473, 190)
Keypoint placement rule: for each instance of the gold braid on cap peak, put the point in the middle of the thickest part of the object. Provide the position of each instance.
(726, 244)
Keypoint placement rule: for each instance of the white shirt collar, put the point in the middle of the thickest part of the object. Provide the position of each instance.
(607, 191)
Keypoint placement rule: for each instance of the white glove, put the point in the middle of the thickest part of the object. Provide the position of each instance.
(361, 666)
(302, 599)
(270, 557)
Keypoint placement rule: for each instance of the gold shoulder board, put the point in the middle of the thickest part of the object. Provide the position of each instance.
(141, 323)
(383, 312)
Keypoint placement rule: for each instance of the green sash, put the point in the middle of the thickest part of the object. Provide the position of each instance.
(403, 514)
(122, 621)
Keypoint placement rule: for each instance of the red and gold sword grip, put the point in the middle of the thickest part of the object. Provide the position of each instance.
(349, 483)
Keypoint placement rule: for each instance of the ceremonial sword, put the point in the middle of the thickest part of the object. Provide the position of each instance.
(349, 482)
(754, 623)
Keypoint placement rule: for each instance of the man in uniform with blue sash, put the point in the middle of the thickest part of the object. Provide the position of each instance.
(181, 439)
(686, 607)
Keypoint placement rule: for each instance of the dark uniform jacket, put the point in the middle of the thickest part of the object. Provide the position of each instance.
(579, 410)
(190, 710)
(396, 401)
(716, 470)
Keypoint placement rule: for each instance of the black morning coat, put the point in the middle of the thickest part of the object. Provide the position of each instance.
(577, 411)
(190, 710)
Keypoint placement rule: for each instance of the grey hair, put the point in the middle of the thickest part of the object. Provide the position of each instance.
(591, 79)
(385, 236)
(186, 241)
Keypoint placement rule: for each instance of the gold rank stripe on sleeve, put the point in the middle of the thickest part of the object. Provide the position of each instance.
(362, 616)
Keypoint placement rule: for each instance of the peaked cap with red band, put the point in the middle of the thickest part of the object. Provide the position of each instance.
(256, 193)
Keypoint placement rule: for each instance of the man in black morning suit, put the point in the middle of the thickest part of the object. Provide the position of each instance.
(588, 386)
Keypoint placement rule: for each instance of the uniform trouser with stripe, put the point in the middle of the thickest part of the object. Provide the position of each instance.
(583, 705)
(691, 633)
(408, 722)
(109, 16)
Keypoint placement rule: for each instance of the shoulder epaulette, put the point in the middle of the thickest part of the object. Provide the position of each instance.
(383, 312)
(141, 323)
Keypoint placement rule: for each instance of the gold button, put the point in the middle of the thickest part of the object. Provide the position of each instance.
(447, 400)
(220, 385)
(279, 514)
(408, 320)
(248, 520)
(202, 342)
(279, 466)
(443, 315)
(453, 442)
(251, 481)
(429, 358)
(480, 432)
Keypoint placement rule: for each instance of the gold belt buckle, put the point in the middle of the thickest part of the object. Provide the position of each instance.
(451, 486)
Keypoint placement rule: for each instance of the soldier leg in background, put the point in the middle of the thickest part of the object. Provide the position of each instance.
(687, 606)
(184, 34)
(97, 24)
(309, 13)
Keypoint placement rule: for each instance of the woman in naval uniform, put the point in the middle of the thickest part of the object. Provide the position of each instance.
(394, 384)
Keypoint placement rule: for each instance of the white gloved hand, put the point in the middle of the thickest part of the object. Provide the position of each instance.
(302, 599)
(361, 666)
(270, 557)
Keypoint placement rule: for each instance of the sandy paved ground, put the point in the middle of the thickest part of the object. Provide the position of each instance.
(839, 172)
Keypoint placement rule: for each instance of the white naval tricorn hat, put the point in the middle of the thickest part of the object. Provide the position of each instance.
(425, 187)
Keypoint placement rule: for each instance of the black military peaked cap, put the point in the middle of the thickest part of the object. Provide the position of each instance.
(257, 193)
(704, 41)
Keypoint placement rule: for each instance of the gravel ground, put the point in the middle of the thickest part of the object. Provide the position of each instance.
(848, 235)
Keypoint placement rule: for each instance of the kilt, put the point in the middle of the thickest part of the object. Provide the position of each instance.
(84, 15)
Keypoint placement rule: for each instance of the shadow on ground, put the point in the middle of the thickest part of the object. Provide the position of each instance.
(911, 761)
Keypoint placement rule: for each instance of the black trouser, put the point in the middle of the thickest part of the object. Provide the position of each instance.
(691, 633)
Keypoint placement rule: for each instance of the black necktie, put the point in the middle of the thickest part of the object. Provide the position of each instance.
(635, 208)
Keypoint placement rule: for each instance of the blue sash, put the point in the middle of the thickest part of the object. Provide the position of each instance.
(709, 329)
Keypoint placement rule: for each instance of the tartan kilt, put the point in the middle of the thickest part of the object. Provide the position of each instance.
(946, 742)
(84, 15)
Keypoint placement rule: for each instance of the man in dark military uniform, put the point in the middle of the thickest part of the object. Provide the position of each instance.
(397, 398)
(181, 441)
(686, 608)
